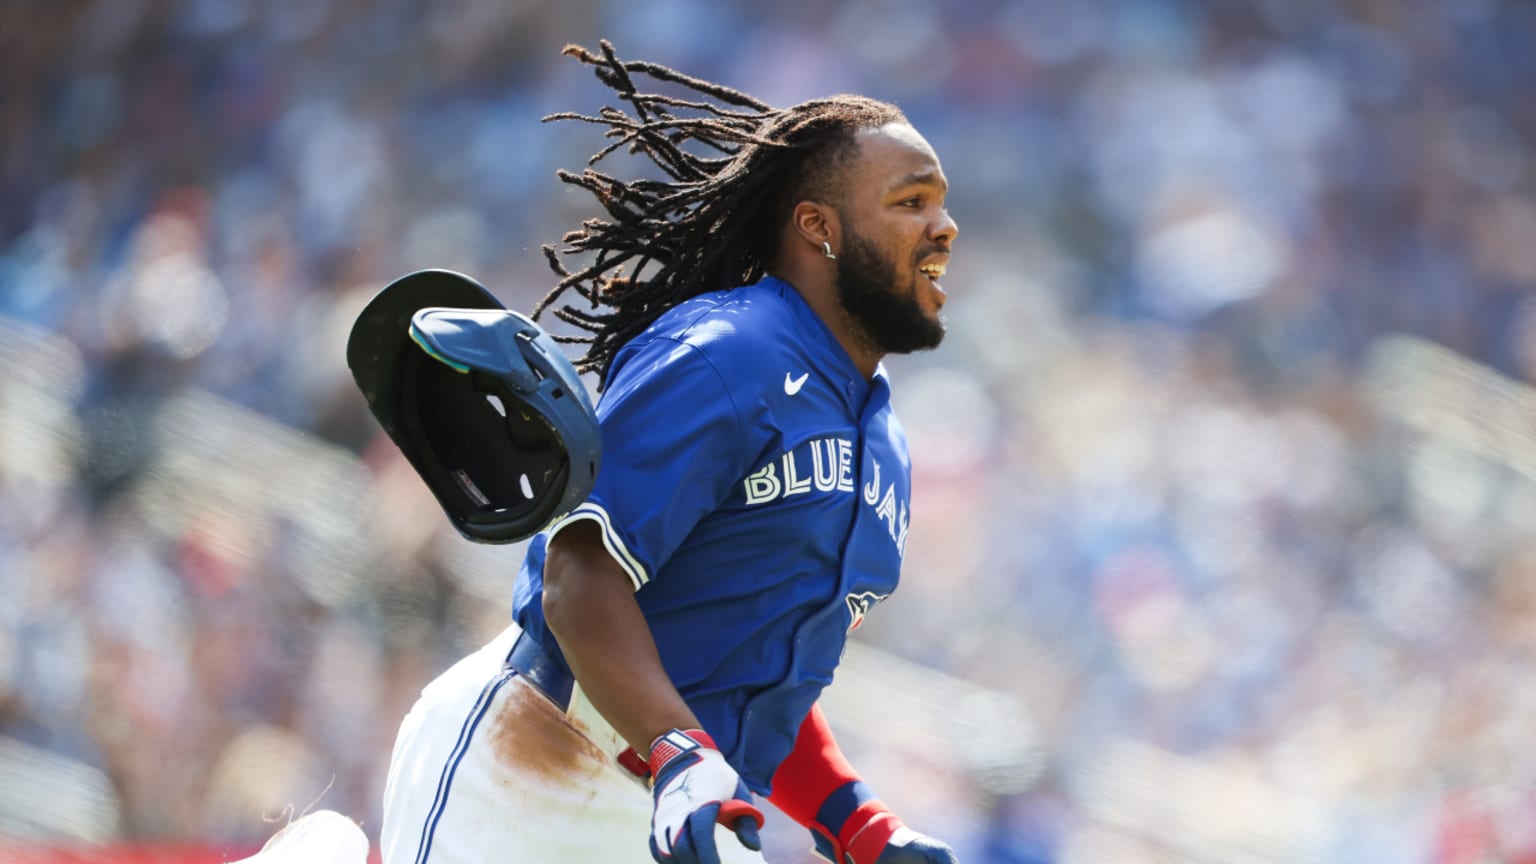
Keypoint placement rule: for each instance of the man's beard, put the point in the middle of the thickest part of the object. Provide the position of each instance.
(894, 323)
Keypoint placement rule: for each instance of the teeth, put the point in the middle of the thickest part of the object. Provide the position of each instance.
(933, 270)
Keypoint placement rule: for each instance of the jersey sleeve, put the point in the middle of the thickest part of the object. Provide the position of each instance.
(673, 447)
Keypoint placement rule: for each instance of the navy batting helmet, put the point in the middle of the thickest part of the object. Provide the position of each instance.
(482, 402)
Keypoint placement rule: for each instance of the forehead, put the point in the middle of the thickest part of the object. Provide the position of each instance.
(894, 154)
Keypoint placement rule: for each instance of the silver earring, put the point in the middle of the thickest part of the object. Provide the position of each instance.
(826, 249)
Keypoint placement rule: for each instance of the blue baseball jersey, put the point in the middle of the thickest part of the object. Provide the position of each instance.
(755, 488)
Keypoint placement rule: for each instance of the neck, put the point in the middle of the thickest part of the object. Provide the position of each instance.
(819, 290)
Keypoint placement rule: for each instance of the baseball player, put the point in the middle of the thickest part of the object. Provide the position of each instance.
(674, 630)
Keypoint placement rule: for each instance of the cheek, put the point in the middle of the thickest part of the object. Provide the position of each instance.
(915, 236)
(904, 243)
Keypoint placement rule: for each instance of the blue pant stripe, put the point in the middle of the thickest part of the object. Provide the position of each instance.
(466, 733)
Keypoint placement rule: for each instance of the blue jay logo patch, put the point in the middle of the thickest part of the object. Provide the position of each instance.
(859, 606)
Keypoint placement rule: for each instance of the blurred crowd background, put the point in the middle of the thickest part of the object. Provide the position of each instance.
(1224, 534)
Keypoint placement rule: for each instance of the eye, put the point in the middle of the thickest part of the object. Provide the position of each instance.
(914, 201)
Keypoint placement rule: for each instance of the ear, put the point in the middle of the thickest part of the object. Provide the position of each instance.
(816, 223)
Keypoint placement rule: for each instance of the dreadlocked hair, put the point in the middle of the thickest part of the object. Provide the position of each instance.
(715, 224)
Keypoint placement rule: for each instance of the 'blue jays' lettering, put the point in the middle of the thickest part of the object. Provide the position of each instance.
(830, 469)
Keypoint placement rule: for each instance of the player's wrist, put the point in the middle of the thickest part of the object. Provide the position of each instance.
(853, 825)
(675, 742)
(863, 839)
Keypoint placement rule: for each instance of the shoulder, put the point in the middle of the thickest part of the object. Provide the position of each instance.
(737, 332)
(744, 320)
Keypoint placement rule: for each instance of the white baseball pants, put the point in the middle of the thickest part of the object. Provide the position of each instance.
(486, 769)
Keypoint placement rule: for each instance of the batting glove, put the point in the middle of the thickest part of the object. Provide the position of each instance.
(694, 789)
(883, 839)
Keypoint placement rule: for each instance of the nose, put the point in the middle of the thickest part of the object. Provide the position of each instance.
(945, 229)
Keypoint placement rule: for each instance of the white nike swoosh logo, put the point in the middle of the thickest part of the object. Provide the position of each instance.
(793, 385)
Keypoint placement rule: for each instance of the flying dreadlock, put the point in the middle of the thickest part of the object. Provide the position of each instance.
(716, 223)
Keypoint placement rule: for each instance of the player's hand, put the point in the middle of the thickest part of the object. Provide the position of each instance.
(694, 789)
(885, 840)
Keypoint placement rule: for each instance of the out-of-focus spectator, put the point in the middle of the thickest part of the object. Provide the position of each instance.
(1227, 474)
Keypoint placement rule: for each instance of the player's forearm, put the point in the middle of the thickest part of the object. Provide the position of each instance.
(614, 658)
(590, 608)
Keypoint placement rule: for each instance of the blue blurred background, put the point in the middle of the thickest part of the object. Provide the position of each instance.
(1224, 534)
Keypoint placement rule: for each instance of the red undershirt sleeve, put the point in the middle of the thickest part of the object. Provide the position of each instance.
(817, 787)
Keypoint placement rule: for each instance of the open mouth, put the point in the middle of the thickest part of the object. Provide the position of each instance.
(933, 272)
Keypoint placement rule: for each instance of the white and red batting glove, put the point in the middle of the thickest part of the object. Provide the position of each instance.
(694, 788)
(816, 787)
